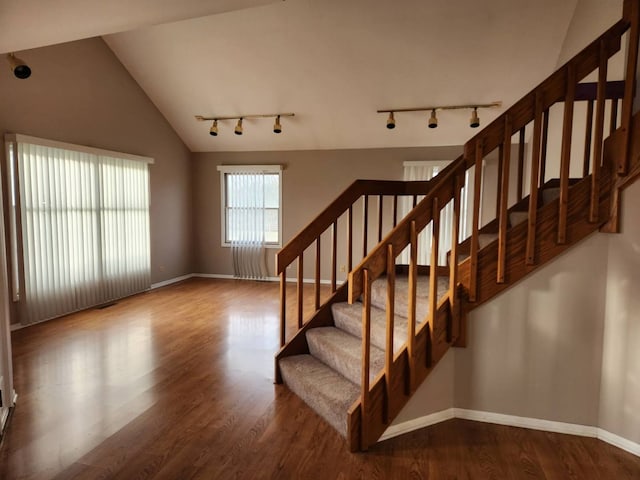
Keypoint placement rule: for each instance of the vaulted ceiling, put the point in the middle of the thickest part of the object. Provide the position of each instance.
(332, 62)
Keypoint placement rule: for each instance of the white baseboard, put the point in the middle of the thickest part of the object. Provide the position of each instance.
(212, 275)
(527, 422)
(512, 421)
(620, 442)
(417, 423)
(268, 279)
(164, 283)
(6, 412)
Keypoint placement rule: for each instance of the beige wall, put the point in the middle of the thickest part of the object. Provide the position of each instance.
(80, 93)
(435, 394)
(536, 349)
(591, 18)
(620, 388)
(311, 180)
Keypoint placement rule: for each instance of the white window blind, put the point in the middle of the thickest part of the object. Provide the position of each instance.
(426, 170)
(84, 222)
(251, 204)
(251, 219)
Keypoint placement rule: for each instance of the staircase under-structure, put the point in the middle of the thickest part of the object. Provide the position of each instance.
(367, 347)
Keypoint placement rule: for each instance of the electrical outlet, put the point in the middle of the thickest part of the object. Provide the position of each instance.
(343, 268)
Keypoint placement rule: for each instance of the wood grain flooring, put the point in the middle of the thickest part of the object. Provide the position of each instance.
(177, 384)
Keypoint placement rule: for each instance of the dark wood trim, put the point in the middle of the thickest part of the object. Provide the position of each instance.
(586, 91)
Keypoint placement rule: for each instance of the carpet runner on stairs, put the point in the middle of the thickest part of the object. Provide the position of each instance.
(329, 378)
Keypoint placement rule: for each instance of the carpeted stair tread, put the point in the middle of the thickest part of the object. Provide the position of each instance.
(323, 389)
(379, 294)
(549, 194)
(485, 239)
(516, 218)
(349, 318)
(342, 352)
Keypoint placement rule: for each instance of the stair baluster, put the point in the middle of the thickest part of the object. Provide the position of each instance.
(543, 147)
(631, 13)
(520, 178)
(586, 165)
(334, 256)
(300, 288)
(380, 212)
(599, 134)
(503, 202)
(535, 171)
(317, 276)
(366, 355)
(475, 225)
(283, 308)
(389, 350)
(501, 251)
(433, 279)
(365, 224)
(454, 332)
(565, 153)
(411, 316)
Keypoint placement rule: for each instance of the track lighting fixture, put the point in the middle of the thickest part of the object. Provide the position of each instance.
(19, 68)
(474, 122)
(238, 129)
(433, 120)
(277, 126)
(391, 121)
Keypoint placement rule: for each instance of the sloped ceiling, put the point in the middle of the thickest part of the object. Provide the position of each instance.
(332, 62)
(335, 62)
(28, 24)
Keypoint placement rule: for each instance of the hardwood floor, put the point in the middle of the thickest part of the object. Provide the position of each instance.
(177, 383)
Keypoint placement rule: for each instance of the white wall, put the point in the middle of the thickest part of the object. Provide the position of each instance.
(535, 350)
(620, 388)
(435, 394)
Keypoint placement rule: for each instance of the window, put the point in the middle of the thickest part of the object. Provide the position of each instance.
(426, 170)
(251, 204)
(83, 218)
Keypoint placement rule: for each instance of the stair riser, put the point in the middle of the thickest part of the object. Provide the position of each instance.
(343, 357)
(349, 319)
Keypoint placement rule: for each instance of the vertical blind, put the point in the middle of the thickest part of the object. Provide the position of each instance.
(251, 202)
(415, 171)
(84, 219)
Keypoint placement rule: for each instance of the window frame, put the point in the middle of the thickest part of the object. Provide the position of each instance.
(231, 169)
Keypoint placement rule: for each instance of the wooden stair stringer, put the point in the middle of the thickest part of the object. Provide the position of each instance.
(378, 419)
(614, 153)
(321, 318)
(547, 248)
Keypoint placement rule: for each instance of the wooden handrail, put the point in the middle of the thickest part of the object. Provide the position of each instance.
(631, 13)
(441, 187)
(328, 216)
(308, 235)
(530, 112)
(550, 91)
(327, 220)
(531, 107)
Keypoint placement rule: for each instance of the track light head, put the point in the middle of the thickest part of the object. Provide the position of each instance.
(238, 129)
(19, 68)
(277, 128)
(433, 120)
(391, 121)
(474, 122)
(214, 129)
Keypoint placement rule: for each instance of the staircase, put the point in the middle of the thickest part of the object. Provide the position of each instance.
(363, 352)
